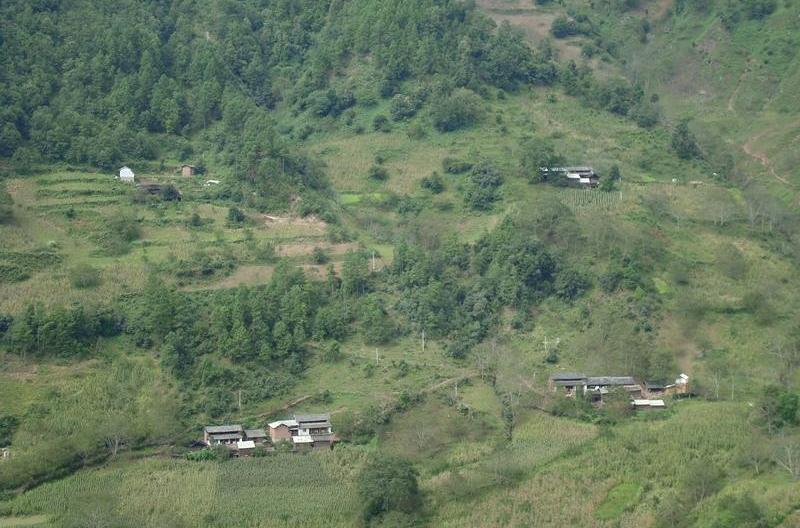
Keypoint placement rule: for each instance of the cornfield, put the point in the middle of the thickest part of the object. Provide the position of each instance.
(284, 490)
(588, 200)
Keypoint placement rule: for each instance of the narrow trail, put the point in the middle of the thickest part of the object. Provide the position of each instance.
(747, 147)
(735, 92)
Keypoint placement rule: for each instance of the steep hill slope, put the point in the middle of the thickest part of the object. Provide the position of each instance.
(381, 245)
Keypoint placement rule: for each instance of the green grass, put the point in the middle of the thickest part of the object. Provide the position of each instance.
(619, 499)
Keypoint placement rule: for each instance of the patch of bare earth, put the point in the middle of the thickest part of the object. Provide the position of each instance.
(306, 248)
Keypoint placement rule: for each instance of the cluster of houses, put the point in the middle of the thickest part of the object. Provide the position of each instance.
(573, 176)
(302, 432)
(645, 395)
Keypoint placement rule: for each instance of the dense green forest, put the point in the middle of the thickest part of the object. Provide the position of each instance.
(368, 233)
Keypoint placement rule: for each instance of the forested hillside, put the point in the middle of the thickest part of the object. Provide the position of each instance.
(365, 230)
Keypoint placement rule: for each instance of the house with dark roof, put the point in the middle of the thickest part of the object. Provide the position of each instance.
(571, 176)
(304, 431)
(593, 387)
(569, 382)
(223, 435)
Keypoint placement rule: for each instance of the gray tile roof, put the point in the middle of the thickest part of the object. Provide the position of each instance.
(255, 433)
(610, 380)
(564, 376)
(303, 419)
(214, 429)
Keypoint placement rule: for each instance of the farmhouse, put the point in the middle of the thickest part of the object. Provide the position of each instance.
(594, 387)
(188, 170)
(569, 382)
(222, 435)
(572, 176)
(597, 386)
(304, 431)
(126, 174)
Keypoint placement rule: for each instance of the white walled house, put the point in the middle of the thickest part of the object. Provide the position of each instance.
(126, 174)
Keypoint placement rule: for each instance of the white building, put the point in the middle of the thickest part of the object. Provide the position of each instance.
(126, 174)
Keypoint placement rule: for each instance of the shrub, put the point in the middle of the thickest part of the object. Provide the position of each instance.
(204, 454)
(236, 215)
(381, 123)
(460, 109)
(538, 153)
(378, 173)
(318, 256)
(433, 183)
(332, 352)
(8, 424)
(84, 276)
(404, 106)
(684, 143)
(481, 188)
(455, 166)
(169, 193)
(388, 484)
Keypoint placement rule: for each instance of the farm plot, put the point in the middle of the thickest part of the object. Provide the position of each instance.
(284, 490)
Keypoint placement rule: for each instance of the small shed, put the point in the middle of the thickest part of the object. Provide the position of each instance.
(257, 435)
(126, 174)
(245, 447)
(648, 404)
(188, 170)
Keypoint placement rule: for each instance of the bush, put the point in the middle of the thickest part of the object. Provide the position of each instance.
(481, 188)
(381, 123)
(169, 193)
(332, 352)
(433, 183)
(388, 484)
(563, 27)
(318, 256)
(84, 276)
(8, 425)
(404, 106)
(684, 143)
(538, 153)
(455, 166)
(460, 109)
(204, 454)
(378, 173)
(236, 215)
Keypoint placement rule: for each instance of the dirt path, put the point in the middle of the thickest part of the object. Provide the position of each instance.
(735, 92)
(449, 381)
(747, 147)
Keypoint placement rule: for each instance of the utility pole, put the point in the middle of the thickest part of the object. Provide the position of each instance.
(373, 261)
(240, 400)
(423, 340)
